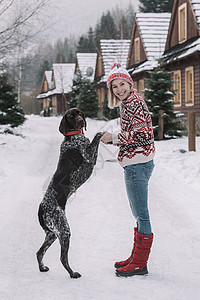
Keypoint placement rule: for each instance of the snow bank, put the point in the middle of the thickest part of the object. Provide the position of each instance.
(100, 221)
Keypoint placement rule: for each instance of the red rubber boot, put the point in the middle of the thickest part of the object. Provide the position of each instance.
(138, 263)
(123, 263)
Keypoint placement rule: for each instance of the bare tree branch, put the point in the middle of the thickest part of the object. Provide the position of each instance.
(19, 16)
(4, 8)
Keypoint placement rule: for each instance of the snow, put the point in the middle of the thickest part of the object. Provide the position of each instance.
(153, 29)
(196, 8)
(100, 221)
(85, 62)
(63, 76)
(113, 51)
(173, 55)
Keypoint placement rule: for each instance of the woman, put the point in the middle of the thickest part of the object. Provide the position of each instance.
(136, 153)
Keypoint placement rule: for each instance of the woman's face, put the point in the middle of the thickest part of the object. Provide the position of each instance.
(121, 89)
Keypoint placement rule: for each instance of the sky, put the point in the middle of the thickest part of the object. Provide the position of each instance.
(73, 17)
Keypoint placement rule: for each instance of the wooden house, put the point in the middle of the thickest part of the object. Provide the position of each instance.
(86, 64)
(47, 85)
(109, 52)
(182, 54)
(147, 45)
(56, 86)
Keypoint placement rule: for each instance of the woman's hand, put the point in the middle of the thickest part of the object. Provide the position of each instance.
(106, 138)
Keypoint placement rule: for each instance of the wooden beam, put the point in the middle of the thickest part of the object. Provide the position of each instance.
(160, 124)
(191, 131)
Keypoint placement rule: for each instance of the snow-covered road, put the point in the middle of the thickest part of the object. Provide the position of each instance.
(100, 220)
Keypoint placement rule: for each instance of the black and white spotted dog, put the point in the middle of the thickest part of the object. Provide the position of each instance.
(77, 159)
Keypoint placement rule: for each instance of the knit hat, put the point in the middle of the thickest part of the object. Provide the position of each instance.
(118, 72)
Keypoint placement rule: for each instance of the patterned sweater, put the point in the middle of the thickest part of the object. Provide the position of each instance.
(136, 139)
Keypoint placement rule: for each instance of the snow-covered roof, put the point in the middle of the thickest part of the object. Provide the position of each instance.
(182, 51)
(113, 51)
(63, 76)
(87, 64)
(146, 66)
(196, 9)
(48, 75)
(153, 29)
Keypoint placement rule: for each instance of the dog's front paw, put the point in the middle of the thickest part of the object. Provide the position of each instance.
(99, 134)
(75, 275)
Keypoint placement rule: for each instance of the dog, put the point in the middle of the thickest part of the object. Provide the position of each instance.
(77, 159)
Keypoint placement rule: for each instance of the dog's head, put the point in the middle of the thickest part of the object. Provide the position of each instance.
(73, 119)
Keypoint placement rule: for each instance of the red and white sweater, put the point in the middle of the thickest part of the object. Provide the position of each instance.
(136, 139)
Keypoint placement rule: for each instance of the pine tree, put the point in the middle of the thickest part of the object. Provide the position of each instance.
(10, 111)
(123, 18)
(82, 44)
(158, 96)
(88, 99)
(43, 67)
(74, 94)
(91, 43)
(105, 29)
(110, 113)
(156, 6)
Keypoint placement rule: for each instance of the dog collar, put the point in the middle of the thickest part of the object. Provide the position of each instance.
(73, 132)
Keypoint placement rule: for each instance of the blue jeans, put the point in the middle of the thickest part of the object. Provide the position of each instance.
(136, 180)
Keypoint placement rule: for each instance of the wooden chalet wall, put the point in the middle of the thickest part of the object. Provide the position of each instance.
(192, 28)
(44, 87)
(131, 56)
(99, 71)
(147, 44)
(181, 56)
(61, 104)
(182, 65)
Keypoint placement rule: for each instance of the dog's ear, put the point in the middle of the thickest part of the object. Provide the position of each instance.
(63, 128)
(85, 123)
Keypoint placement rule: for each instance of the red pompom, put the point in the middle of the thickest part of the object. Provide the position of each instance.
(116, 65)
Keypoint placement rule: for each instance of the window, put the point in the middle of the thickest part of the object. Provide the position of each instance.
(177, 88)
(45, 86)
(137, 50)
(189, 86)
(141, 86)
(182, 22)
(54, 104)
(54, 101)
(135, 85)
(101, 97)
(100, 63)
(44, 104)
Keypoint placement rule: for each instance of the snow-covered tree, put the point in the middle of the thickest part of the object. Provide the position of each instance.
(74, 94)
(110, 113)
(86, 43)
(105, 29)
(123, 18)
(159, 96)
(44, 66)
(88, 99)
(10, 111)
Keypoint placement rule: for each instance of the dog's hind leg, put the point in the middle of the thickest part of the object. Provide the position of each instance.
(49, 239)
(64, 243)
